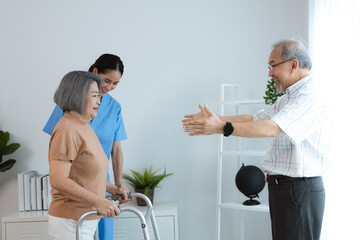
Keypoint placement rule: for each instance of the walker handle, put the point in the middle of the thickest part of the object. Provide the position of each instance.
(114, 198)
(117, 196)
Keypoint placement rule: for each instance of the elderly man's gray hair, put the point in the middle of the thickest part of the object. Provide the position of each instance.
(292, 49)
(73, 88)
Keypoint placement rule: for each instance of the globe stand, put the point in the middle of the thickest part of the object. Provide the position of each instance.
(251, 201)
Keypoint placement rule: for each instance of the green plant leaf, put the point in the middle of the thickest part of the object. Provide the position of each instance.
(7, 165)
(4, 139)
(131, 180)
(137, 176)
(147, 180)
(270, 94)
(146, 190)
(9, 149)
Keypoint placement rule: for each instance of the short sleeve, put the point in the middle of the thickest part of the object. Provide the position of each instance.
(54, 118)
(300, 118)
(64, 145)
(120, 132)
(263, 114)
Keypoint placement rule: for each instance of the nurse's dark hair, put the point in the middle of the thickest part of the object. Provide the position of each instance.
(294, 49)
(72, 90)
(108, 62)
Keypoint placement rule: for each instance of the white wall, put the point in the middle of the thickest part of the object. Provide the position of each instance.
(176, 54)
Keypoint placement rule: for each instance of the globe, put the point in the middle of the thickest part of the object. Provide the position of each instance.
(250, 181)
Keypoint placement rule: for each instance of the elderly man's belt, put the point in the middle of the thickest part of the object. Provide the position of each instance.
(282, 179)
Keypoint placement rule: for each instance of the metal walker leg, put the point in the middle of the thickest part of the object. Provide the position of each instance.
(143, 220)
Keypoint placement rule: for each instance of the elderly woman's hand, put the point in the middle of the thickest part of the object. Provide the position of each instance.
(107, 208)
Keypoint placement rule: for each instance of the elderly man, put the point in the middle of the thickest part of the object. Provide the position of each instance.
(298, 128)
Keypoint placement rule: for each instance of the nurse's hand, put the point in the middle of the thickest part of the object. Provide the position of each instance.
(124, 192)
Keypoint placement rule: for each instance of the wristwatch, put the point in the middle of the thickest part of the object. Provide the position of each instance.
(228, 129)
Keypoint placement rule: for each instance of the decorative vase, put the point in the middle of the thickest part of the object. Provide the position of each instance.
(150, 195)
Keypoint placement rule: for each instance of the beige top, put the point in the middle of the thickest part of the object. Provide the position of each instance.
(74, 140)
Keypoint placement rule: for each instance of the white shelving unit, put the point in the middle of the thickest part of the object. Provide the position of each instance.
(238, 153)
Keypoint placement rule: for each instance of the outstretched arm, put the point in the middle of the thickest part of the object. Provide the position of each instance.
(237, 119)
(204, 115)
(215, 125)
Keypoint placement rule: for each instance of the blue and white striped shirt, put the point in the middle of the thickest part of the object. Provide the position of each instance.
(302, 149)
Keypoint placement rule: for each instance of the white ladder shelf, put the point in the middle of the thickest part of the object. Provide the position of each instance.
(263, 207)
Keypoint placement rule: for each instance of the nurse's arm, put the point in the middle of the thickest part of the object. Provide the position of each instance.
(117, 158)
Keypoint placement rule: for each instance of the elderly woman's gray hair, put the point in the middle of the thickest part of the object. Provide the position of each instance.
(73, 88)
(292, 49)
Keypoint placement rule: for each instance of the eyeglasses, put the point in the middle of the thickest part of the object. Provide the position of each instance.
(271, 67)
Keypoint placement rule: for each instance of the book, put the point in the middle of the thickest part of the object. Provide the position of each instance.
(21, 190)
(49, 196)
(27, 190)
(34, 191)
(33, 201)
(39, 187)
(45, 192)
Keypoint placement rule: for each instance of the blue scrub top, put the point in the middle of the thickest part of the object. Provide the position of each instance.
(108, 124)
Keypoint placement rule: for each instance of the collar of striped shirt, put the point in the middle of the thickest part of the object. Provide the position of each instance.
(298, 85)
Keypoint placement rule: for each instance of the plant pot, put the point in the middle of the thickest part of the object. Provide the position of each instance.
(150, 195)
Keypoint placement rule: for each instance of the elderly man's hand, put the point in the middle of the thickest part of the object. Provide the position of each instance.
(203, 123)
(200, 115)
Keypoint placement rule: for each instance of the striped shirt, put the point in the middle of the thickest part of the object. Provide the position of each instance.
(302, 149)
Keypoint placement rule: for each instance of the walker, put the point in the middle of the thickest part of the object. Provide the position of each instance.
(143, 219)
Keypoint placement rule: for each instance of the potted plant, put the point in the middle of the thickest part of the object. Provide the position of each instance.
(6, 149)
(145, 182)
(271, 95)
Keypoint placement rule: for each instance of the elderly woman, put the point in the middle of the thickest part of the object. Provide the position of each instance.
(78, 164)
(108, 126)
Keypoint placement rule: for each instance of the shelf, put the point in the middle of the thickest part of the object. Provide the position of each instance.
(263, 207)
(244, 153)
(231, 104)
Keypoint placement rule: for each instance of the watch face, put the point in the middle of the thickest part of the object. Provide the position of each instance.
(228, 129)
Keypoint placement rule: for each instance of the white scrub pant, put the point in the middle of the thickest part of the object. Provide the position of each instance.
(63, 228)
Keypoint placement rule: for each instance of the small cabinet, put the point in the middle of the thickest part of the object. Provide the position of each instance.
(27, 230)
(34, 224)
(25, 225)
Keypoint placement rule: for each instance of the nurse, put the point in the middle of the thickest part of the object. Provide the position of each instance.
(108, 126)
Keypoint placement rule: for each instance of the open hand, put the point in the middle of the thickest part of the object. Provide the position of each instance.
(203, 123)
(197, 116)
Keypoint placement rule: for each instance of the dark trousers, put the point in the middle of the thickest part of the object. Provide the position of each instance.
(296, 208)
